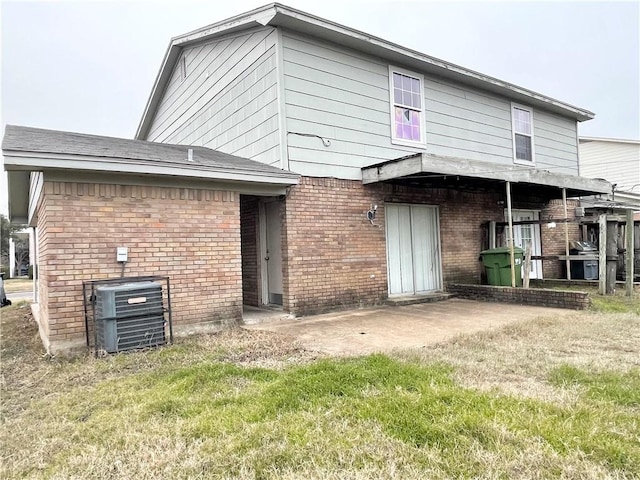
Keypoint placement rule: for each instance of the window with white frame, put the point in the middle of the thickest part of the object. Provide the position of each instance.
(522, 125)
(407, 107)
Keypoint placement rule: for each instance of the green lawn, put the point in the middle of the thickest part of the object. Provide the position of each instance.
(554, 398)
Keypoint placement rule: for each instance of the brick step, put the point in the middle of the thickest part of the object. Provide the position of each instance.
(413, 299)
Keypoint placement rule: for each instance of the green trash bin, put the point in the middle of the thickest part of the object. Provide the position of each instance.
(497, 262)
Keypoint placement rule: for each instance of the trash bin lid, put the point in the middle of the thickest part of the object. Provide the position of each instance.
(516, 250)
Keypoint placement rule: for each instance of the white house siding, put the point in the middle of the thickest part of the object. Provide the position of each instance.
(616, 162)
(343, 95)
(36, 180)
(228, 100)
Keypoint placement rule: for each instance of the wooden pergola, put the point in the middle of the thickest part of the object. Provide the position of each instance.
(607, 242)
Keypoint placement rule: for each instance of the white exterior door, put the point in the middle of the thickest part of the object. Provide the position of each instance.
(271, 254)
(528, 234)
(413, 249)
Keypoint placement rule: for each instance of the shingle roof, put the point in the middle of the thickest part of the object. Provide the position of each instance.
(38, 140)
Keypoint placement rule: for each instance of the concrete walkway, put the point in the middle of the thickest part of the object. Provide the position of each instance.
(385, 328)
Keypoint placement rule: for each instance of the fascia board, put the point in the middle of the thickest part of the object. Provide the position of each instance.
(434, 164)
(34, 161)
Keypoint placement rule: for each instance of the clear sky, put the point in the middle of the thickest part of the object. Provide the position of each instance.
(89, 66)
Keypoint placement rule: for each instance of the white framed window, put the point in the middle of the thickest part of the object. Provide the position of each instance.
(406, 91)
(522, 131)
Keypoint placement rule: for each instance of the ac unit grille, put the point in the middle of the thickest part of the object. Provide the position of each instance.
(129, 316)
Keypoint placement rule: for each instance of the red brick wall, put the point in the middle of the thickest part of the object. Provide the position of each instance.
(553, 239)
(193, 236)
(250, 250)
(523, 296)
(334, 257)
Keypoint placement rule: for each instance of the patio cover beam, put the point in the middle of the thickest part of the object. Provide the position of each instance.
(425, 164)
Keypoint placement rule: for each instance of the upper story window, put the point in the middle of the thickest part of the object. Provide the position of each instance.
(522, 126)
(407, 107)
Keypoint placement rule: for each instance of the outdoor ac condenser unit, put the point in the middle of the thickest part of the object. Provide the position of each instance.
(129, 316)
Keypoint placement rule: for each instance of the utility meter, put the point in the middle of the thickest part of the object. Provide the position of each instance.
(122, 254)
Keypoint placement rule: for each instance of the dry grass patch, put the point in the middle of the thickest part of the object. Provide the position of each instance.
(518, 358)
(251, 404)
(12, 285)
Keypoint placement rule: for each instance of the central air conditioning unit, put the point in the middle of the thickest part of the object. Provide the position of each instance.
(129, 317)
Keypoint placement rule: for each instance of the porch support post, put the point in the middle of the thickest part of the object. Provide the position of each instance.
(602, 254)
(32, 262)
(510, 240)
(612, 256)
(566, 233)
(630, 254)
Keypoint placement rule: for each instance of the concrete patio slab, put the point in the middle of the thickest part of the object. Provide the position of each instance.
(386, 328)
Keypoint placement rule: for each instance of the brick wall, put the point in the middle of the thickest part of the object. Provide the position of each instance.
(334, 257)
(193, 236)
(523, 296)
(462, 219)
(553, 239)
(250, 254)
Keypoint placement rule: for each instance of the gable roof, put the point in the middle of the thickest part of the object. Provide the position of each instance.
(278, 15)
(27, 149)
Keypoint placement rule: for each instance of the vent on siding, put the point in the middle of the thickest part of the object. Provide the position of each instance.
(579, 212)
(129, 317)
(183, 68)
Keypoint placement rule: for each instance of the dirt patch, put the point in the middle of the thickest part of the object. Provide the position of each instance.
(255, 348)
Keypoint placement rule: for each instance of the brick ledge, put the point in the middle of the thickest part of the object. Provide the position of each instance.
(523, 296)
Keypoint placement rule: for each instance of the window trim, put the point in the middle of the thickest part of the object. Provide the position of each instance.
(423, 134)
(516, 160)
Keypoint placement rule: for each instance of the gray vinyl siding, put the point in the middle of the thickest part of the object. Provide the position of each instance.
(343, 95)
(556, 143)
(616, 162)
(228, 100)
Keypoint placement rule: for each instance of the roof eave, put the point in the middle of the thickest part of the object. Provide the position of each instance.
(609, 140)
(170, 58)
(15, 161)
(18, 196)
(260, 16)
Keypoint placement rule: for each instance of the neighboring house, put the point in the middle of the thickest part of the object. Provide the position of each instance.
(617, 161)
(329, 168)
